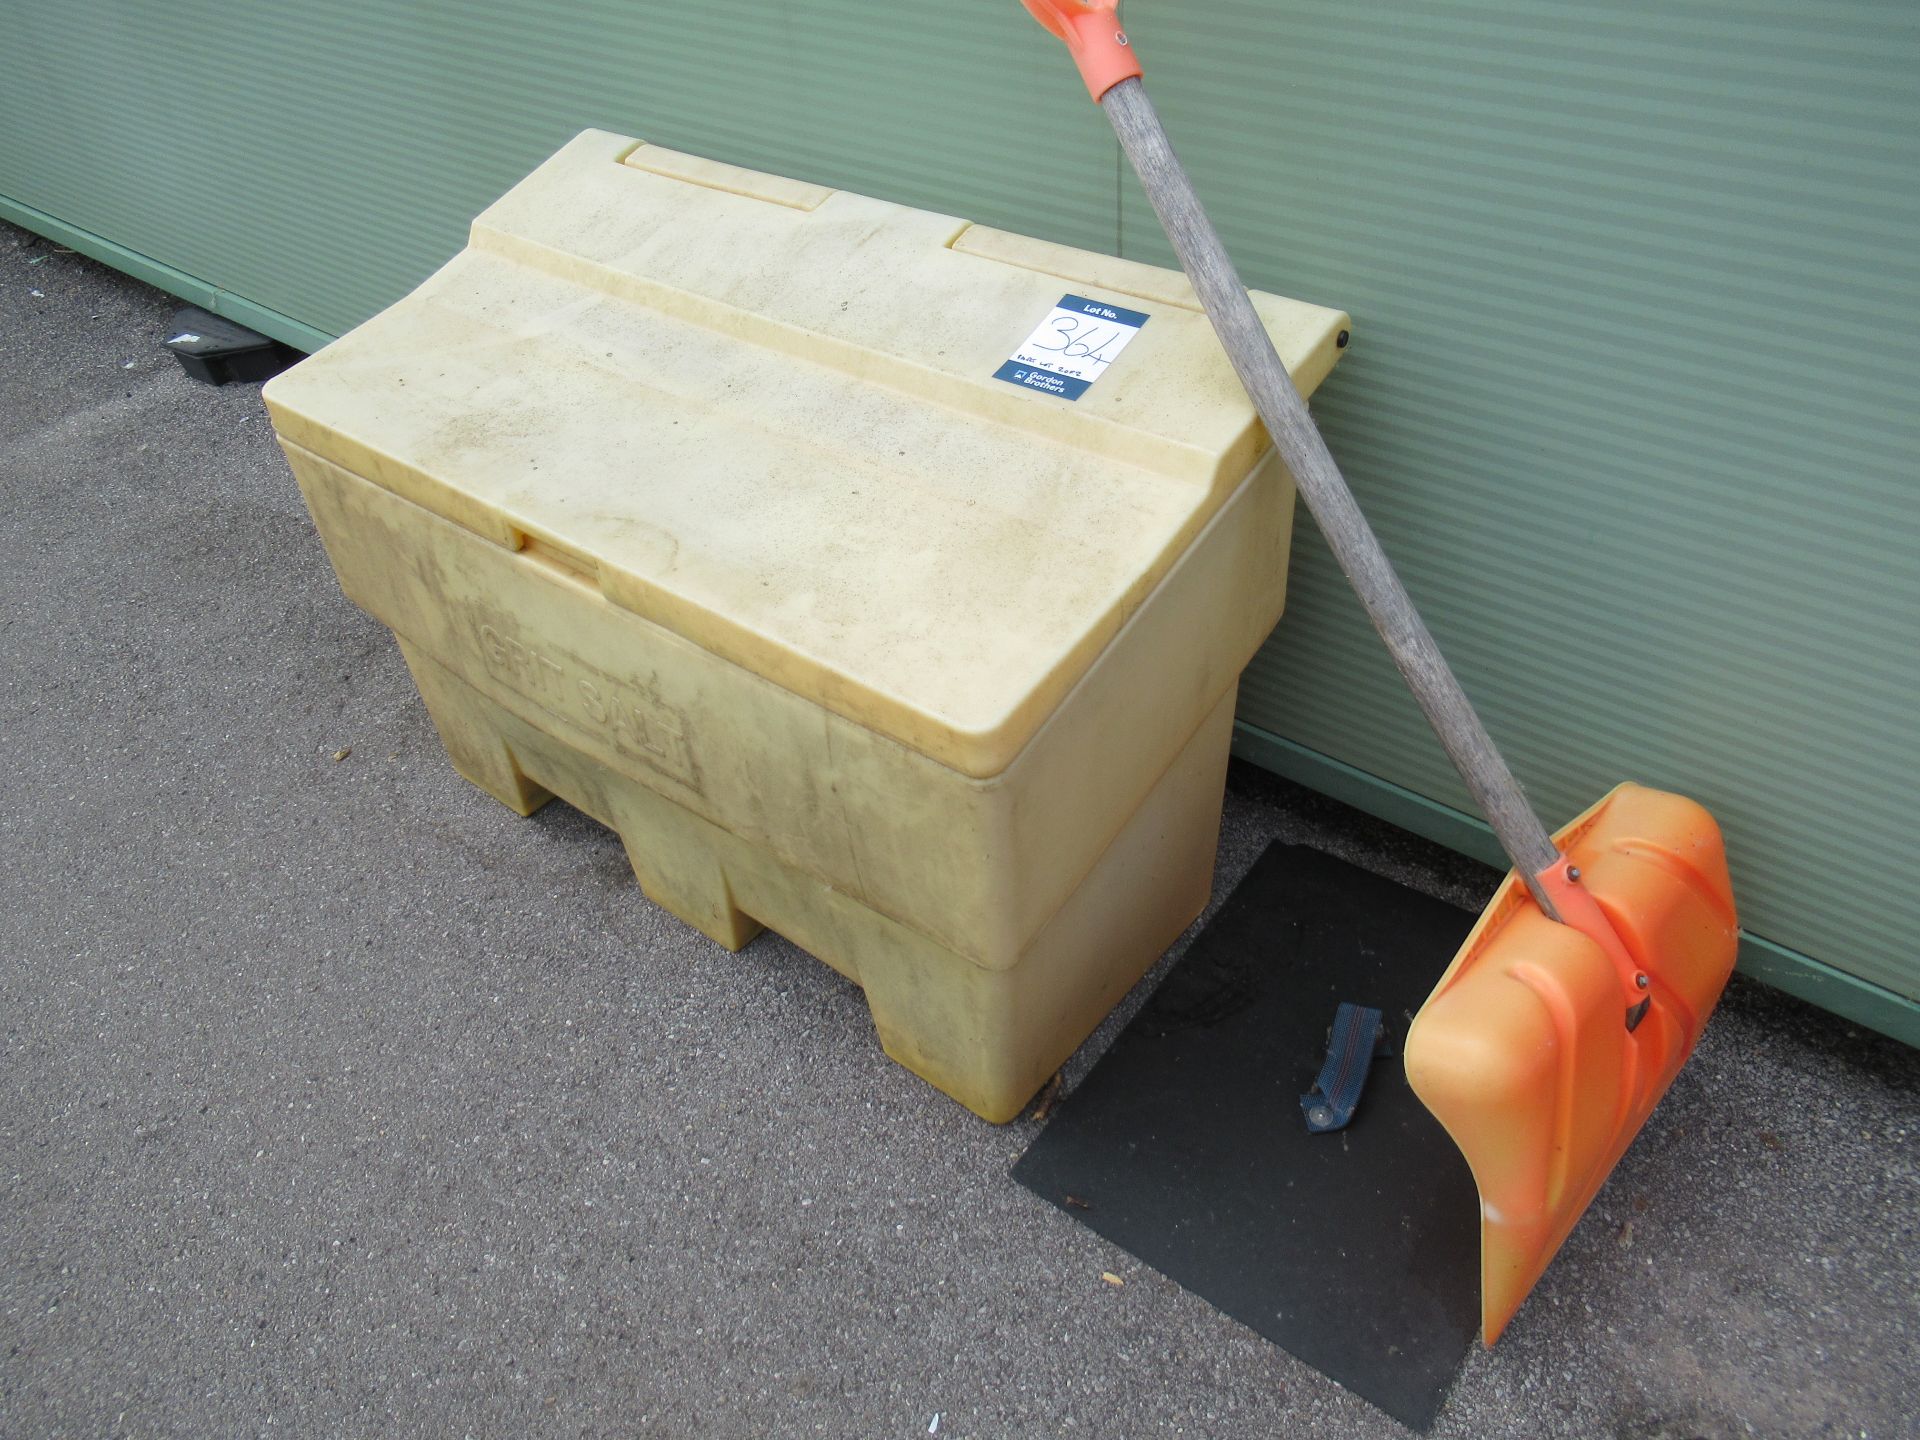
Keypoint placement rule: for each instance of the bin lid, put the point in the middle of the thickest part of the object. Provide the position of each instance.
(787, 423)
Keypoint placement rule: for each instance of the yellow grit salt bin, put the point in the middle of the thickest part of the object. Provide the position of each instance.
(878, 577)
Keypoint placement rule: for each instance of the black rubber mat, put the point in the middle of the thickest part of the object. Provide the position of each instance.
(1356, 1251)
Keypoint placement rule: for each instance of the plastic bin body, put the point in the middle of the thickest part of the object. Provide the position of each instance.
(692, 498)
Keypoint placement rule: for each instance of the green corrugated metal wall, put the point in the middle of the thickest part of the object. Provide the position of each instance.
(1636, 293)
(1635, 287)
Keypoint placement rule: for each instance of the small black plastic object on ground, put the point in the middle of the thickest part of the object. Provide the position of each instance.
(212, 348)
(1357, 1252)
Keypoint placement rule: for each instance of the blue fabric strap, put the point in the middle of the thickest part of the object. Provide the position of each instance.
(1336, 1094)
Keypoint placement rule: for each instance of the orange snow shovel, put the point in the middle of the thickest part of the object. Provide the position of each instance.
(1587, 982)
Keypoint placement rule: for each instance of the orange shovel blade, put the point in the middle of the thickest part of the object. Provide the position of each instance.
(1522, 1050)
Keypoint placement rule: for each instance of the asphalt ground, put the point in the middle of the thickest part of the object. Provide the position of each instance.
(336, 1100)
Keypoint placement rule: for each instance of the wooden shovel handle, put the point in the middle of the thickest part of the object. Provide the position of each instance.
(1325, 489)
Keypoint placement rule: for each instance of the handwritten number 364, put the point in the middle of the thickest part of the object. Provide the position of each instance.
(1081, 338)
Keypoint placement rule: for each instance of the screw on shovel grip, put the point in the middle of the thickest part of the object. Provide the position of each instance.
(1573, 904)
(1093, 36)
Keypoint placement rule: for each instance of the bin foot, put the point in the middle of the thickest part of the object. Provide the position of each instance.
(991, 1037)
(948, 1022)
(691, 887)
(472, 743)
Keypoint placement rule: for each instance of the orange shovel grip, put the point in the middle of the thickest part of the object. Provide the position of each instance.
(1091, 30)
